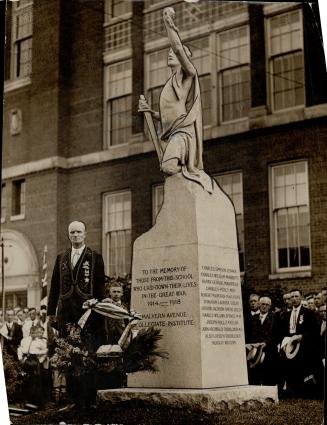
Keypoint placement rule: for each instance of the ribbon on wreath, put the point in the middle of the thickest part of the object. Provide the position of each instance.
(108, 309)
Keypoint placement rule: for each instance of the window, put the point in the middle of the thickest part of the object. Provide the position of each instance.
(286, 65)
(15, 299)
(157, 200)
(201, 60)
(158, 74)
(3, 202)
(232, 185)
(290, 216)
(234, 79)
(18, 199)
(118, 90)
(115, 8)
(117, 233)
(22, 27)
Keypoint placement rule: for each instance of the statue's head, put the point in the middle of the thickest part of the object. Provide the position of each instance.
(172, 58)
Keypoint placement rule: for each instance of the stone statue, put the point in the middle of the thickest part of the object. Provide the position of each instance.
(180, 113)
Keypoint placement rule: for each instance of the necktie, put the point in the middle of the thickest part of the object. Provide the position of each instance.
(323, 327)
(75, 258)
(293, 321)
(261, 318)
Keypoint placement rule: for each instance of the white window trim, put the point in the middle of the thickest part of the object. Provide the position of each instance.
(275, 8)
(218, 71)
(109, 19)
(269, 64)
(17, 82)
(104, 214)
(226, 173)
(106, 125)
(17, 217)
(11, 85)
(275, 270)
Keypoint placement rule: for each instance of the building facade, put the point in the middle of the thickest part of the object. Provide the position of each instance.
(75, 147)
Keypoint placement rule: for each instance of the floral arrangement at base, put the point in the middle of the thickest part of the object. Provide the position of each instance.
(71, 357)
(142, 352)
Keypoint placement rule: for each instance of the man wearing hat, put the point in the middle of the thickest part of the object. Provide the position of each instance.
(299, 346)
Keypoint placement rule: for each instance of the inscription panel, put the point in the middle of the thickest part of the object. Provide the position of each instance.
(165, 293)
(221, 305)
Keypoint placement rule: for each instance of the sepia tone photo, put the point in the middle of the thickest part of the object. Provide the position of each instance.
(163, 212)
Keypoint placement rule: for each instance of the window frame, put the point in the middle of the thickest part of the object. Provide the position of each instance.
(16, 9)
(275, 269)
(231, 173)
(3, 202)
(219, 72)
(107, 142)
(21, 215)
(270, 58)
(105, 231)
(155, 197)
(109, 18)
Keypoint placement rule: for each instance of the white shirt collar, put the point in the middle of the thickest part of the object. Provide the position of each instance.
(78, 250)
(253, 313)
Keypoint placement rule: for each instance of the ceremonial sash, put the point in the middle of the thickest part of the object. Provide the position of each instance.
(81, 278)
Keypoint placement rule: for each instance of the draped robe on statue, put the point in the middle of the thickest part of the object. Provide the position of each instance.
(181, 121)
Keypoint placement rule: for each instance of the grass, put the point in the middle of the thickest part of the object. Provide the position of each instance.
(287, 412)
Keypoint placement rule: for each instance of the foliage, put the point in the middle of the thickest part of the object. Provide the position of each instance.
(13, 374)
(143, 351)
(70, 356)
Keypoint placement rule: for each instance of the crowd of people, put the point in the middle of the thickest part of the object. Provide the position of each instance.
(284, 346)
(29, 338)
(287, 346)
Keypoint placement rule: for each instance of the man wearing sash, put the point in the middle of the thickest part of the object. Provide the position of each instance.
(78, 275)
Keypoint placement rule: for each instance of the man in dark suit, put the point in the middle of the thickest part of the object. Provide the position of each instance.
(264, 373)
(78, 275)
(301, 324)
(12, 334)
(250, 315)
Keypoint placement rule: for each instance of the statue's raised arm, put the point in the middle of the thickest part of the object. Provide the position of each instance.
(176, 43)
(179, 144)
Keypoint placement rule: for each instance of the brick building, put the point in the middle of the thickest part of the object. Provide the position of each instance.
(74, 146)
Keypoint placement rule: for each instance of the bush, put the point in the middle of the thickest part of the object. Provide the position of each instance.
(13, 375)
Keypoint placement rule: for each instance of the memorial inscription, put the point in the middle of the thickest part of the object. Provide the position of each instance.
(165, 288)
(221, 308)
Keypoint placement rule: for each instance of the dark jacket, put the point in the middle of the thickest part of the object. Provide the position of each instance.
(71, 288)
(16, 335)
(262, 332)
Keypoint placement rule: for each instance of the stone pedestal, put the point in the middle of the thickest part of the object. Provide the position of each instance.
(186, 281)
(209, 400)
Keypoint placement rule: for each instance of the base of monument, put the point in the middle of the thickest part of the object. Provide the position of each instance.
(208, 400)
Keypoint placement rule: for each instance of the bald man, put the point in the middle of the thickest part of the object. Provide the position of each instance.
(78, 275)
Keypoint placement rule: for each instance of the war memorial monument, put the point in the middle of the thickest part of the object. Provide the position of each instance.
(185, 275)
